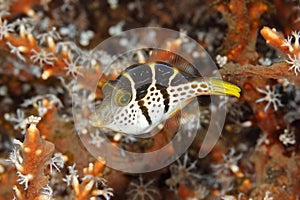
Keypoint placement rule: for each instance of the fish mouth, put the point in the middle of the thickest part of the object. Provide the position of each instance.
(220, 87)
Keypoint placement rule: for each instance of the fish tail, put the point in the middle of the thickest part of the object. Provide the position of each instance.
(220, 87)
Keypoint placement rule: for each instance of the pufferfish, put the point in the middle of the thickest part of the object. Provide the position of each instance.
(147, 94)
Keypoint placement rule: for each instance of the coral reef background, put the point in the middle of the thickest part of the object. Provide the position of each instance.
(47, 44)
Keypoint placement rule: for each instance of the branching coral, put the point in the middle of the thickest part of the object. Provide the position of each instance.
(31, 160)
(93, 184)
(241, 17)
(45, 50)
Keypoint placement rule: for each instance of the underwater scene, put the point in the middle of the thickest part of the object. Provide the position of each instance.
(150, 100)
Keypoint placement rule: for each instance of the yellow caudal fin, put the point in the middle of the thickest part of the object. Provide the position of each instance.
(220, 87)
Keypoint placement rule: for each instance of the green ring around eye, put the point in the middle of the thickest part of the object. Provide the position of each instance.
(123, 98)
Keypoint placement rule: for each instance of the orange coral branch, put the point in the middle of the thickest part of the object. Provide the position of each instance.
(95, 169)
(243, 23)
(274, 39)
(36, 155)
(30, 44)
(92, 182)
(275, 71)
(23, 6)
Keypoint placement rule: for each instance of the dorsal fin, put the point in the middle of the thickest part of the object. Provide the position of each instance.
(174, 60)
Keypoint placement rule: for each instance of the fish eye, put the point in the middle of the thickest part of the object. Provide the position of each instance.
(122, 98)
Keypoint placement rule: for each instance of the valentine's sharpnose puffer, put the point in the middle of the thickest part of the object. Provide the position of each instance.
(145, 95)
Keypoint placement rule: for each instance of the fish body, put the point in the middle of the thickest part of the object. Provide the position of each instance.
(145, 95)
